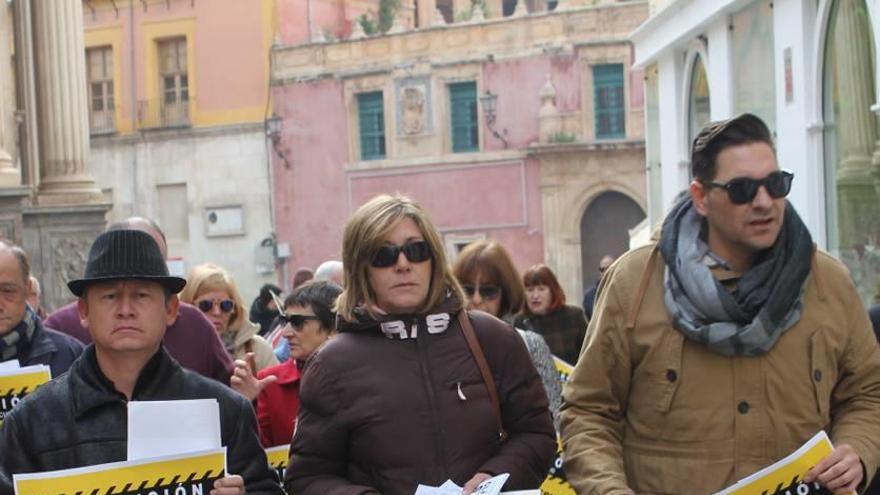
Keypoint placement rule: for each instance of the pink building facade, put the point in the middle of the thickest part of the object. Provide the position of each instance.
(523, 174)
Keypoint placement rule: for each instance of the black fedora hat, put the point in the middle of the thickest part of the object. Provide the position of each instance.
(121, 254)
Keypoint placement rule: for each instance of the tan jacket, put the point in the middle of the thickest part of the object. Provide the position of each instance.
(647, 411)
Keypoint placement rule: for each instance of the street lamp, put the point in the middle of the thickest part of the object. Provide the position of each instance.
(273, 132)
(489, 102)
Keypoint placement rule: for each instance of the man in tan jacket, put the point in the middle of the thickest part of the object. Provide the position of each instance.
(725, 345)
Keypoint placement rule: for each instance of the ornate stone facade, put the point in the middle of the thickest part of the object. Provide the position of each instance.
(49, 202)
(535, 164)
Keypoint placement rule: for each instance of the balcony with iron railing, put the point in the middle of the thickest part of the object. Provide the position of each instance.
(159, 113)
(102, 122)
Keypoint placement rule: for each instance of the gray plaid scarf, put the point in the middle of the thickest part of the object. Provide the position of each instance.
(766, 302)
(19, 336)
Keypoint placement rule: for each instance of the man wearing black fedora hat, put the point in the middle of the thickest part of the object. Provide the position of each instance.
(126, 300)
(191, 339)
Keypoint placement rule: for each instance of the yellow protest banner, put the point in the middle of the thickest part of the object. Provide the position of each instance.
(278, 459)
(185, 474)
(555, 483)
(15, 384)
(786, 476)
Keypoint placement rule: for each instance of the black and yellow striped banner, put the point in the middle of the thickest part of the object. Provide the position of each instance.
(188, 474)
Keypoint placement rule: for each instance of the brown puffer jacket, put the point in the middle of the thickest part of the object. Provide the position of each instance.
(388, 405)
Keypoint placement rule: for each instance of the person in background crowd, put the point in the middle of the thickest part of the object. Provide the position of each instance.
(23, 336)
(491, 284)
(301, 276)
(211, 289)
(190, 339)
(590, 294)
(330, 270)
(545, 312)
(397, 398)
(309, 321)
(263, 310)
(35, 297)
(127, 300)
(725, 345)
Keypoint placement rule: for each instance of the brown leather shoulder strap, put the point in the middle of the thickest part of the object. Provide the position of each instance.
(643, 287)
(468, 330)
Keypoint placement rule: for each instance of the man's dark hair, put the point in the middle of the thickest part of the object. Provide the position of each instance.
(716, 136)
(320, 296)
(266, 292)
(23, 263)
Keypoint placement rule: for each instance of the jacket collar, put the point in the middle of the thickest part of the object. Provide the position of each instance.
(41, 344)
(404, 327)
(287, 373)
(91, 389)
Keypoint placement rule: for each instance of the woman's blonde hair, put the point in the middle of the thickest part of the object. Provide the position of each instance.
(366, 231)
(208, 277)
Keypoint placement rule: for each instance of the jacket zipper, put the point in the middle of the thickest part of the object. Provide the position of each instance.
(427, 379)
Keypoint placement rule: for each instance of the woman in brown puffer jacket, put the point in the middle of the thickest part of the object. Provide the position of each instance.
(397, 398)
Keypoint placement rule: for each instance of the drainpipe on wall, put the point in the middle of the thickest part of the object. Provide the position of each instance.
(133, 84)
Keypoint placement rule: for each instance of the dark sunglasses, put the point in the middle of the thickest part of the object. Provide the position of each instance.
(226, 306)
(487, 292)
(415, 252)
(743, 190)
(297, 321)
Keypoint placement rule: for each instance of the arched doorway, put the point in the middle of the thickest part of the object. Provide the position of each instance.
(852, 151)
(605, 228)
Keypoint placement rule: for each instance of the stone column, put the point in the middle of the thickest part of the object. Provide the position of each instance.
(858, 209)
(9, 174)
(65, 175)
(426, 13)
(857, 128)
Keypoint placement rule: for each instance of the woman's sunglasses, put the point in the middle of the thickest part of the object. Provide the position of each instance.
(206, 306)
(415, 252)
(297, 321)
(487, 292)
(743, 190)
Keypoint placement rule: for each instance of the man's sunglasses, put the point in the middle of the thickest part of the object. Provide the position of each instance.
(297, 321)
(487, 292)
(206, 306)
(743, 190)
(415, 252)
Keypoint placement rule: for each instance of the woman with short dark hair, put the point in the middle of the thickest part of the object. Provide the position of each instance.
(491, 284)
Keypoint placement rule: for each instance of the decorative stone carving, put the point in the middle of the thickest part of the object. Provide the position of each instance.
(521, 9)
(438, 19)
(414, 113)
(413, 104)
(477, 14)
(69, 254)
(357, 31)
(397, 25)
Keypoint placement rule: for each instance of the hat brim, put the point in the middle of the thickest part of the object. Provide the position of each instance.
(173, 284)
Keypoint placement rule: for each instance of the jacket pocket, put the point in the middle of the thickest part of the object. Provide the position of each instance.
(821, 373)
(669, 370)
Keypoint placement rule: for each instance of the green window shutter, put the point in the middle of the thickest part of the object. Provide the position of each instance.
(463, 116)
(371, 121)
(608, 101)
